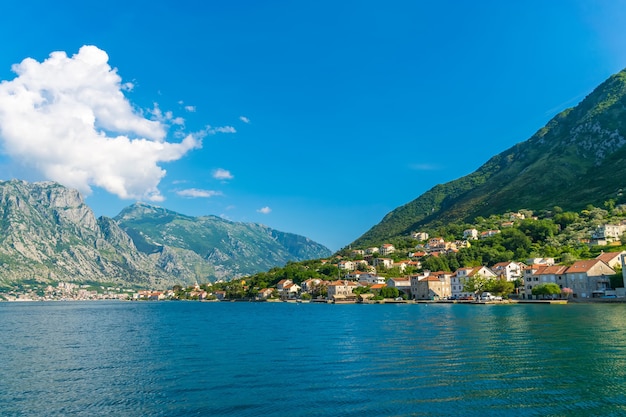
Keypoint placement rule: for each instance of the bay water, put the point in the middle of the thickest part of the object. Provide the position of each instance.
(285, 359)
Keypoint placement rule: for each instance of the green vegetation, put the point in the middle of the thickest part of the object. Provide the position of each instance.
(550, 289)
(479, 284)
(556, 233)
(561, 235)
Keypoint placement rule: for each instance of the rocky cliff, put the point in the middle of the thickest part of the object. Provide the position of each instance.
(48, 233)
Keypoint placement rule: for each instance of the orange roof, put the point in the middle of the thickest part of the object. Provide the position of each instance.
(582, 266)
(340, 282)
(552, 270)
(430, 278)
(608, 256)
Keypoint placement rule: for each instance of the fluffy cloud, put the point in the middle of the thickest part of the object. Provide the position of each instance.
(222, 174)
(196, 193)
(68, 118)
(244, 119)
(264, 210)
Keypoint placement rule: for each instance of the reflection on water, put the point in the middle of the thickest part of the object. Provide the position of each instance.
(254, 359)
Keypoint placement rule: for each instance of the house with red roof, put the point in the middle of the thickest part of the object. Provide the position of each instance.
(431, 286)
(612, 259)
(264, 293)
(589, 278)
(341, 290)
(387, 249)
(544, 274)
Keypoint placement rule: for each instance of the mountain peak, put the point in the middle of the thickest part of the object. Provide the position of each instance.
(577, 158)
(48, 234)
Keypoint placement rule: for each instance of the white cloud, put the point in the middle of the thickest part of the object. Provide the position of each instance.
(244, 119)
(222, 129)
(68, 118)
(264, 210)
(190, 109)
(196, 193)
(222, 174)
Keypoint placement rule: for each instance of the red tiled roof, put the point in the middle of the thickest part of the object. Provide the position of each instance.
(608, 256)
(582, 266)
(430, 278)
(552, 270)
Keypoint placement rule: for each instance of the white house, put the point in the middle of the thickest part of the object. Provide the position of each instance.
(608, 233)
(384, 262)
(387, 249)
(370, 279)
(470, 234)
(341, 289)
(461, 275)
(402, 284)
(509, 270)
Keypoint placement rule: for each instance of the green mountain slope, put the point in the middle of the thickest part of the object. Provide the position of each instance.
(575, 160)
(222, 248)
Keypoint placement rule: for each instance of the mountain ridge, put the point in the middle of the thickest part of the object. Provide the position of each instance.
(49, 234)
(574, 160)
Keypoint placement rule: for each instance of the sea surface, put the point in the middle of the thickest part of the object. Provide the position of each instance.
(283, 359)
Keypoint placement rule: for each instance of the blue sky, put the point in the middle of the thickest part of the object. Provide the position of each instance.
(316, 118)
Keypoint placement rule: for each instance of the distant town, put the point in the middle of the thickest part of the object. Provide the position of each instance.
(388, 274)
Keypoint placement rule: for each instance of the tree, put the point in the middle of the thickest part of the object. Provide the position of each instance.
(389, 292)
(500, 287)
(539, 230)
(435, 263)
(617, 280)
(362, 290)
(565, 219)
(546, 289)
(476, 284)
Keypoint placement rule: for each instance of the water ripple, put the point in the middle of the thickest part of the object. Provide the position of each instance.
(250, 359)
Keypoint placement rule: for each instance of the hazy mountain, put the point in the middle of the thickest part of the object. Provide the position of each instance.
(577, 159)
(48, 234)
(221, 248)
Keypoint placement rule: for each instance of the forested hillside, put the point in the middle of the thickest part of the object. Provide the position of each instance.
(577, 159)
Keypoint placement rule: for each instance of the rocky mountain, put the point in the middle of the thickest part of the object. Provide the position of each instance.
(49, 234)
(577, 159)
(214, 246)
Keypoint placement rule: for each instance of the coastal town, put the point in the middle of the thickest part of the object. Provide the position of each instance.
(360, 279)
(405, 272)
